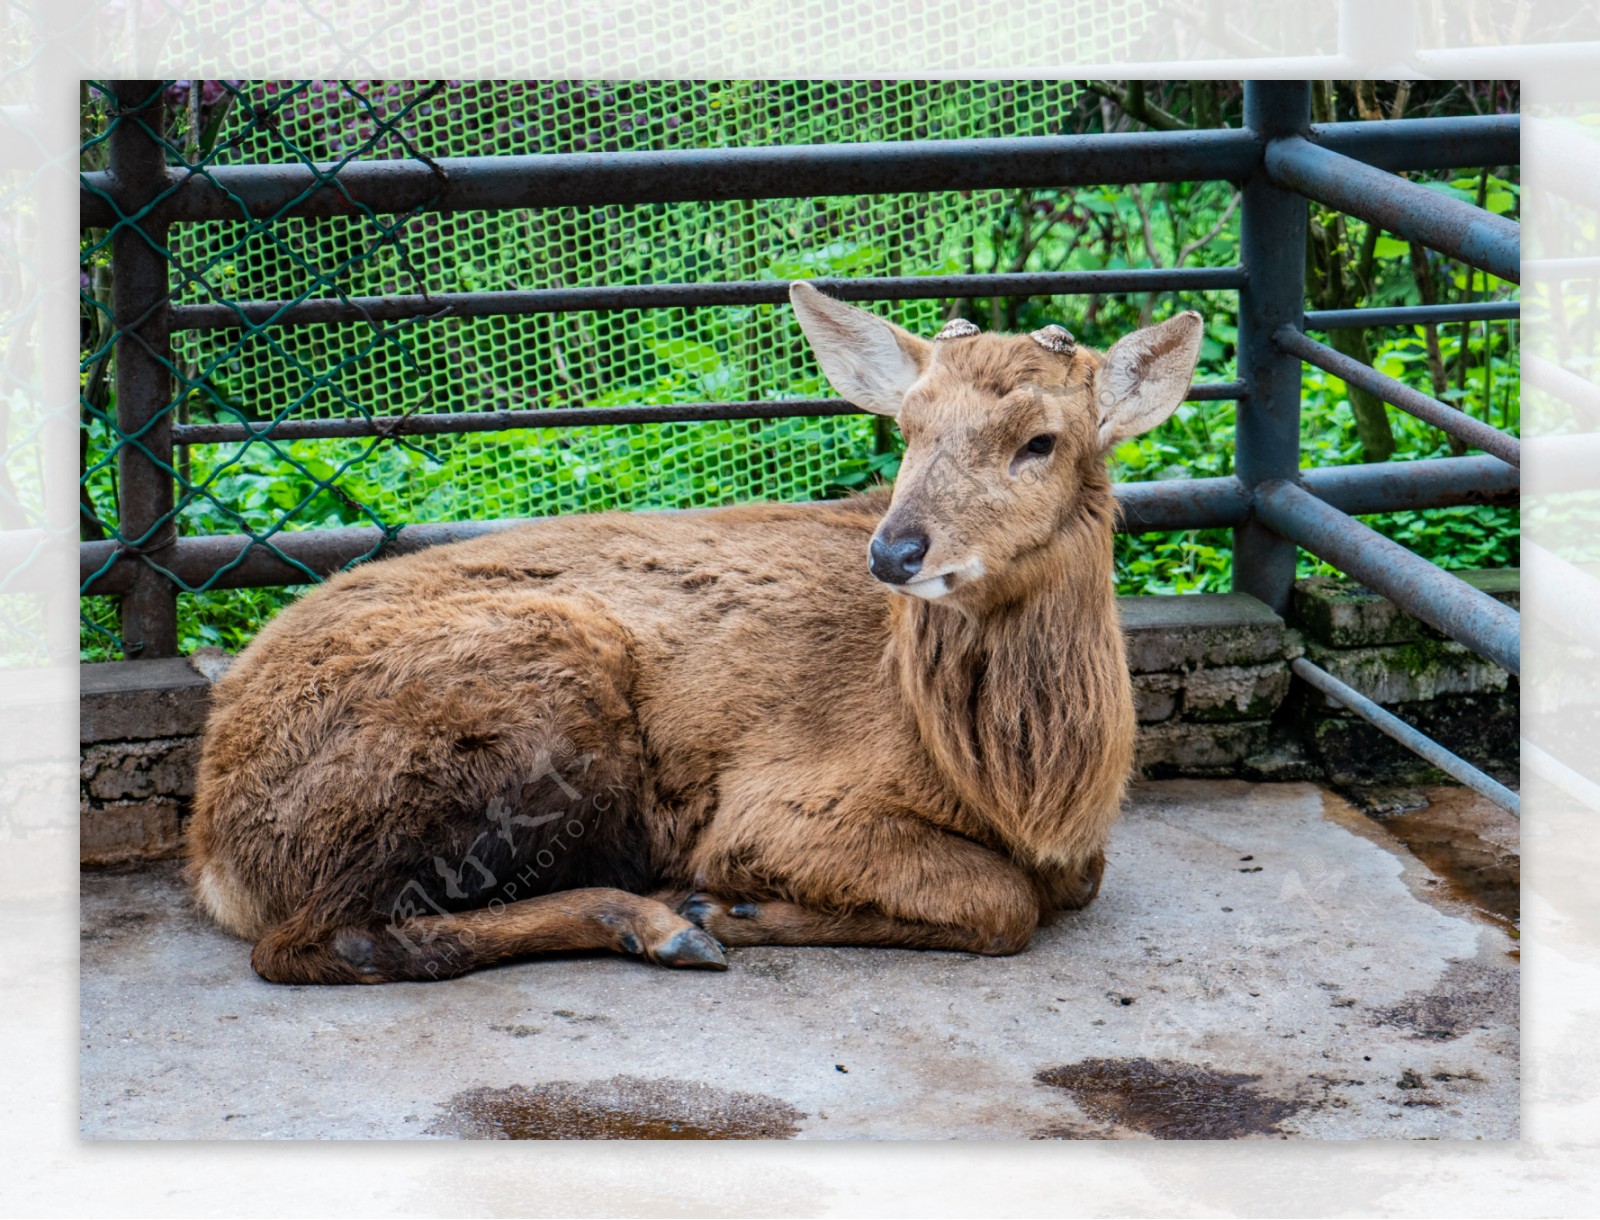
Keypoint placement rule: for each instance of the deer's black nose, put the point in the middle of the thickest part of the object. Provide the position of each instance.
(897, 560)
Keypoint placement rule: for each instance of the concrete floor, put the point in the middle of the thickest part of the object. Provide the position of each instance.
(1263, 962)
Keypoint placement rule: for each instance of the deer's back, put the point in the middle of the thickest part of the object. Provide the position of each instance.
(666, 642)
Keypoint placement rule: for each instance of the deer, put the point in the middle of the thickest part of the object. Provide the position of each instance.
(901, 719)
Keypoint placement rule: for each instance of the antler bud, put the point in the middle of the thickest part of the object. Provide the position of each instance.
(1057, 339)
(956, 328)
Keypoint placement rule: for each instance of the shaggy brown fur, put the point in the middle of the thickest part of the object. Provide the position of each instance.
(640, 732)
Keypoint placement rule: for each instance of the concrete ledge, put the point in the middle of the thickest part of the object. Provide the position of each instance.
(141, 700)
(1235, 692)
(1410, 673)
(1184, 748)
(1169, 633)
(139, 744)
(1342, 614)
(125, 831)
(1156, 696)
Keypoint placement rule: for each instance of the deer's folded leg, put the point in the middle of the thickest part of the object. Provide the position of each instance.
(863, 879)
(305, 949)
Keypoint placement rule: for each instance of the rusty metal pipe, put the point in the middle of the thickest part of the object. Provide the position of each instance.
(1415, 585)
(440, 423)
(1417, 742)
(1154, 507)
(1459, 229)
(1399, 394)
(232, 315)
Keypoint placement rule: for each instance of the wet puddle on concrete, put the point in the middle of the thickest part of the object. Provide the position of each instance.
(622, 1108)
(1473, 864)
(1169, 1100)
(1466, 845)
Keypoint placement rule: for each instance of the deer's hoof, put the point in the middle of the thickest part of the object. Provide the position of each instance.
(698, 908)
(693, 949)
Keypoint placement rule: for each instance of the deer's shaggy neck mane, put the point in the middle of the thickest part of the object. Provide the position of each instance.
(1014, 705)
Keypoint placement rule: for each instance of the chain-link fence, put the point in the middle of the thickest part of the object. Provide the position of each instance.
(231, 365)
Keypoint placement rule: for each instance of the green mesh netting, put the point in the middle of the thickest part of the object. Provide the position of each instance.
(262, 487)
(589, 359)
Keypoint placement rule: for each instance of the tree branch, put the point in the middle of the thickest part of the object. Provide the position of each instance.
(1137, 106)
(1222, 220)
(1144, 217)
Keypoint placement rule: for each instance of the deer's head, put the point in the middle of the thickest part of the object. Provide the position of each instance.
(1006, 435)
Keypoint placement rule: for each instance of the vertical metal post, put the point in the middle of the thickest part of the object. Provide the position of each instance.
(1272, 239)
(140, 301)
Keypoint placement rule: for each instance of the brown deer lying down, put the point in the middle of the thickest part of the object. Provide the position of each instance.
(664, 734)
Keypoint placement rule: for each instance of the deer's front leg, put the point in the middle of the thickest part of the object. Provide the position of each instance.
(844, 878)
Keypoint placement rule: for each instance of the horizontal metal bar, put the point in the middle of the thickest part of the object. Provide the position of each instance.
(1459, 229)
(586, 179)
(452, 422)
(1407, 315)
(1417, 742)
(482, 184)
(1455, 143)
(1399, 394)
(1415, 585)
(231, 315)
(446, 423)
(1392, 487)
(1157, 506)
(1163, 505)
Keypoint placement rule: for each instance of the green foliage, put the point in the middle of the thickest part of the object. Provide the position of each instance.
(629, 357)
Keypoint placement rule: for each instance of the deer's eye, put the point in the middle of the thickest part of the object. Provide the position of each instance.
(1041, 445)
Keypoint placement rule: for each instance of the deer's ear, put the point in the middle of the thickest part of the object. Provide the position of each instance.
(872, 363)
(1144, 377)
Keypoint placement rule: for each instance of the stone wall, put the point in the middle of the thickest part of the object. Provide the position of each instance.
(1215, 696)
(139, 725)
(1211, 684)
(1467, 704)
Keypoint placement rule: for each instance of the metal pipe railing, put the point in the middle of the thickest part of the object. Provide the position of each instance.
(482, 184)
(899, 167)
(1397, 393)
(695, 296)
(1439, 599)
(1407, 315)
(1157, 506)
(140, 301)
(1417, 742)
(1410, 144)
(1459, 229)
(443, 423)
(1272, 243)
